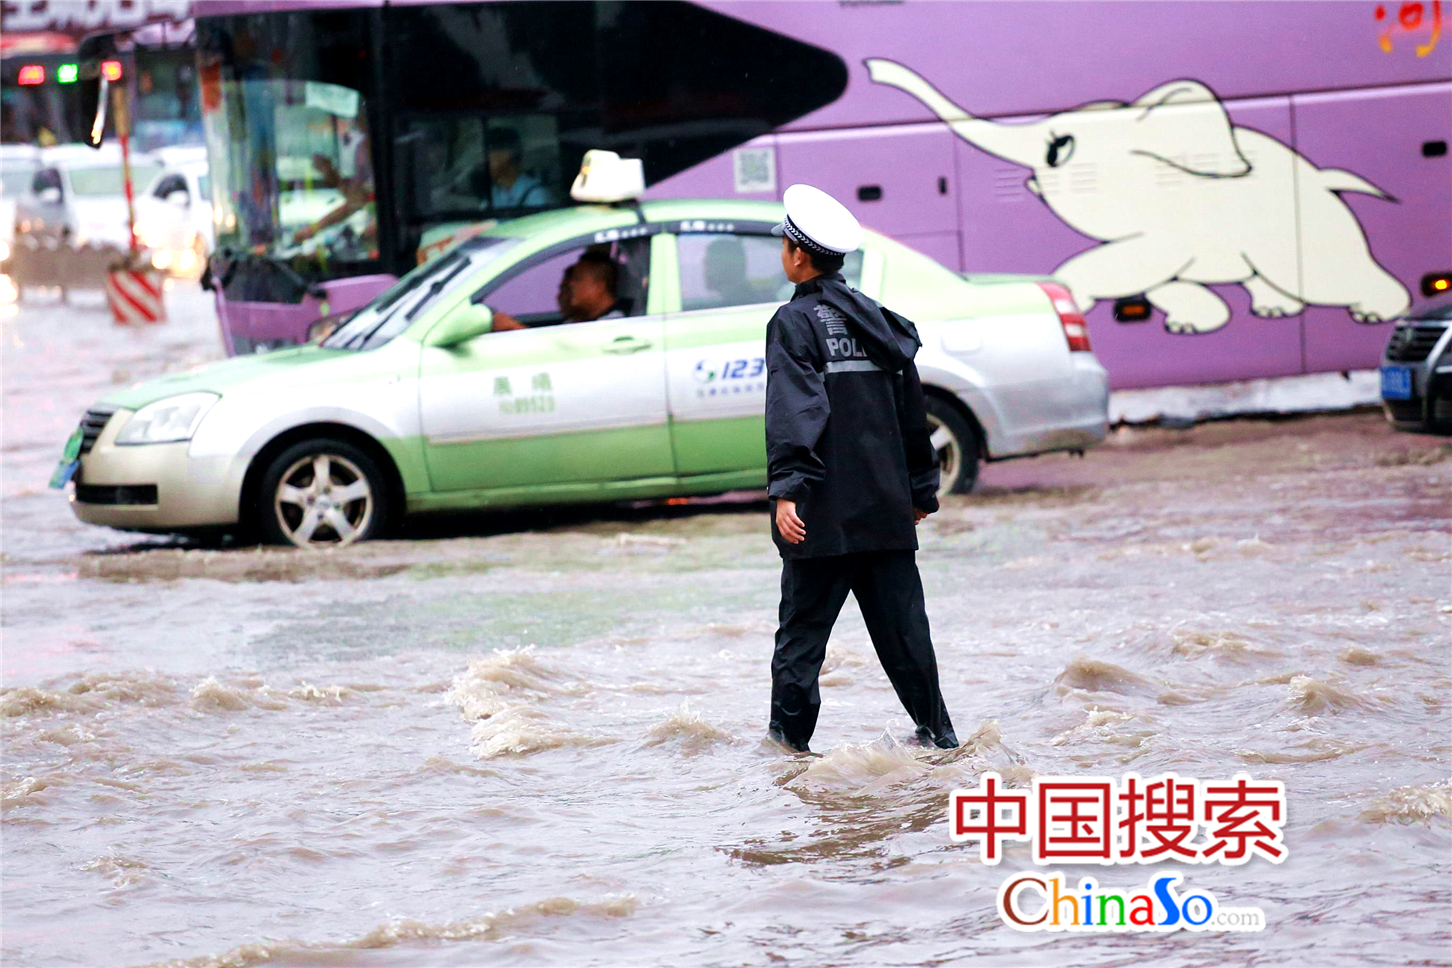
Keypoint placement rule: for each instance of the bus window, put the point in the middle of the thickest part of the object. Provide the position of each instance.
(465, 168)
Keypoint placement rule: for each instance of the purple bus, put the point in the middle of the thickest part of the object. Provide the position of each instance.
(1231, 190)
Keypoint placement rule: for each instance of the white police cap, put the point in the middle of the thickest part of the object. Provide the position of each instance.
(818, 222)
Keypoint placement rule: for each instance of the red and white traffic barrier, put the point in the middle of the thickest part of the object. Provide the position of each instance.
(134, 296)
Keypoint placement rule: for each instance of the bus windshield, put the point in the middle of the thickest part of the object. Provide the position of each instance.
(285, 112)
(293, 161)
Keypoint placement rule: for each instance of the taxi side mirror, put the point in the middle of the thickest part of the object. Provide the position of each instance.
(463, 324)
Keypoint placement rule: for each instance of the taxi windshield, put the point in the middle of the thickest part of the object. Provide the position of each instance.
(393, 311)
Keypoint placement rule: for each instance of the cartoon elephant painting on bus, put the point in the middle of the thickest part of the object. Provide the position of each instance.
(1180, 198)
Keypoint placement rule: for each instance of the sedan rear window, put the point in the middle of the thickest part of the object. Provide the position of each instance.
(14, 178)
(108, 181)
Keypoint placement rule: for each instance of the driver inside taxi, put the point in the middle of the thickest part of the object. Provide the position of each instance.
(586, 293)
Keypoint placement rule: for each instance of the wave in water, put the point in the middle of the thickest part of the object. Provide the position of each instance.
(89, 693)
(1104, 726)
(212, 696)
(1218, 645)
(488, 927)
(502, 693)
(686, 727)
(520, 730)
(870, 769)
(1412, 804)
(507, 677)
(1315, 697)
(99, 691)
(1093, 675)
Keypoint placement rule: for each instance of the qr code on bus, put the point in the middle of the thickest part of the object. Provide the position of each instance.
(755, 169)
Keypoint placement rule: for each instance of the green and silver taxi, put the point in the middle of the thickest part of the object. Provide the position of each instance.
(415, 404)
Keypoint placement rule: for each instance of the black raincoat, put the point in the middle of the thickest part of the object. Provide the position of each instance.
(846, 426)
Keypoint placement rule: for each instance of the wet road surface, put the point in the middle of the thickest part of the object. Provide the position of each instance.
(524, 739)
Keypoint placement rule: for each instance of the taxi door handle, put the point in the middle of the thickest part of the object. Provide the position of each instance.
(627, 344)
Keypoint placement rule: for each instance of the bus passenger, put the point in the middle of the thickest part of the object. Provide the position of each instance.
(357, 191)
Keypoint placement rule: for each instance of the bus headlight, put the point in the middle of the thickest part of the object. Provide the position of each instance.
(167, 421)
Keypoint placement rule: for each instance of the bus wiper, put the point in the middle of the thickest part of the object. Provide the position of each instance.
(293, 276)
(276, 263)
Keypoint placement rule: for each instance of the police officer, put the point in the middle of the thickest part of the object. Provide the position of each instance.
(852, 473)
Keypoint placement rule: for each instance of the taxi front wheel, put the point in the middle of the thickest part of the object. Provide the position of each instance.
(956, 441)
(321, 494)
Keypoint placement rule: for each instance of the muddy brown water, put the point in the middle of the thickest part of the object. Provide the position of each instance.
(537, 740)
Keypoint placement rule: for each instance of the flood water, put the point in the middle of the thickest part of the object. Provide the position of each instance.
(537, 739)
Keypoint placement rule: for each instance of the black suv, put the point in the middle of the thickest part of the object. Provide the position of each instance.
(1416, 370)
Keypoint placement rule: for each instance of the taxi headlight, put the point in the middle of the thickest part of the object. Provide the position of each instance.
(167, 421)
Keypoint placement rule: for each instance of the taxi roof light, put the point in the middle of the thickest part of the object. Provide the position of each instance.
(606, 177)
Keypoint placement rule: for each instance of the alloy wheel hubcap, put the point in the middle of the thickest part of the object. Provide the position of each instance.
(323, 501)
(949, 454)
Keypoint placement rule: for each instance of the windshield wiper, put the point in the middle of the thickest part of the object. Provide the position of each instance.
(433, 291)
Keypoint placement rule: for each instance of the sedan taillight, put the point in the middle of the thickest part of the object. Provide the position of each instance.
(1076, 330)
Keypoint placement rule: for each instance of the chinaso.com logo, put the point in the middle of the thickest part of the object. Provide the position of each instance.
(1134, 821)
(1034, 902)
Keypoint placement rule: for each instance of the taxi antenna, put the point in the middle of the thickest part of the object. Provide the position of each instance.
(634, 205)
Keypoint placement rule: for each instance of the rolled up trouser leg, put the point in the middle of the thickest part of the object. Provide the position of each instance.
(889, 591)
(812, 593)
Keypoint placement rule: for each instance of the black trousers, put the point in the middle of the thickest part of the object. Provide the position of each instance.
(889, 591)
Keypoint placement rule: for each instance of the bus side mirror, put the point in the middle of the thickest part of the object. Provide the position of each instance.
(93, 84)
(461, 325)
